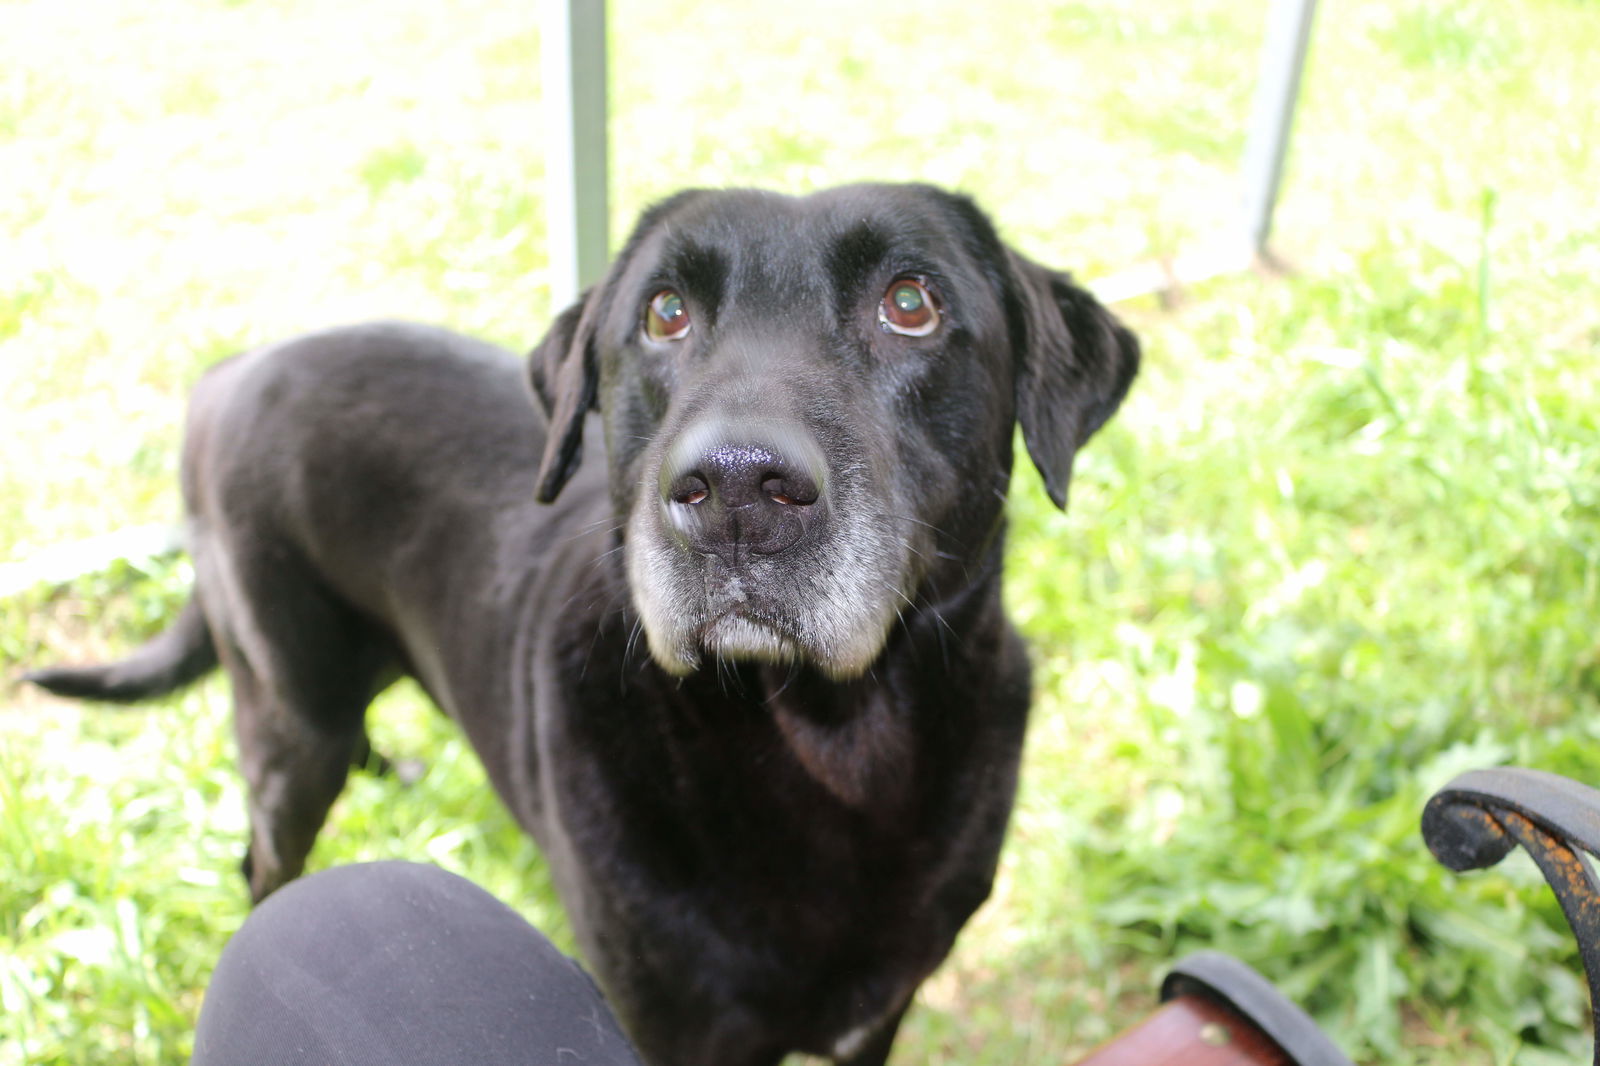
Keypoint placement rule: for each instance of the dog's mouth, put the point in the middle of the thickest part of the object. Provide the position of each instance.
(745, 632)
(737, 634)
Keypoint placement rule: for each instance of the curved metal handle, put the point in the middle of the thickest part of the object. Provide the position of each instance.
(1222, 978)
(1474, 822)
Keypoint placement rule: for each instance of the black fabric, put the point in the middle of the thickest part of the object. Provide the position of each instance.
(403, 965)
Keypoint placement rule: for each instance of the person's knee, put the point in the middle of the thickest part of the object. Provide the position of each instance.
(396, 958)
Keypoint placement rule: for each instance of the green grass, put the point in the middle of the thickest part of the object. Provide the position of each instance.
(1342, 542)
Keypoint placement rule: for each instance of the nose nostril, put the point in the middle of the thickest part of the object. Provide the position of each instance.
(690, 489)
(789, 491)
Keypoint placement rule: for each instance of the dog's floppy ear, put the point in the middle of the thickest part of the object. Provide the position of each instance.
(1075, 362)
(565, 378)
(564, 368)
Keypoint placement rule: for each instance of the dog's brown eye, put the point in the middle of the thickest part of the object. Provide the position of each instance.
(666, 317)
(909, 308)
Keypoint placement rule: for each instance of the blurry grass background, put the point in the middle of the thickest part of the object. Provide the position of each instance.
(1341, 543)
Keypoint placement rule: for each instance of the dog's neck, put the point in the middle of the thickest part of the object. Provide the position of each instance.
(857, 744)
(858, 738)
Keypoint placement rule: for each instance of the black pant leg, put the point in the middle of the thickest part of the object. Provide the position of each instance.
(401, 965)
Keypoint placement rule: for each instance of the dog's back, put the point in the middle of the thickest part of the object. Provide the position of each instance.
(359, 502)
(388, 456)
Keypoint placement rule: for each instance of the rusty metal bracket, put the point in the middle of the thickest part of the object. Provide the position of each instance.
(1474, 822)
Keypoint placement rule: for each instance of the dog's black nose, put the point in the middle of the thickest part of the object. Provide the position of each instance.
(731, 494)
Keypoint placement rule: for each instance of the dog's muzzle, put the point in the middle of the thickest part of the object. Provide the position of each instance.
(739, 550)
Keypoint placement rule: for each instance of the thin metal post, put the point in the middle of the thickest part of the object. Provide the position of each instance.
(1283, 60)
(574, 57)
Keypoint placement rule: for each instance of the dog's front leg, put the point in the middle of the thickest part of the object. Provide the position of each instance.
(870, 1047)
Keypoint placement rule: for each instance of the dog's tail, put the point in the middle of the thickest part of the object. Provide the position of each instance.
(185, 652)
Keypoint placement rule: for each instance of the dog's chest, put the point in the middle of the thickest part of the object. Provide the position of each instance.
(813, 871)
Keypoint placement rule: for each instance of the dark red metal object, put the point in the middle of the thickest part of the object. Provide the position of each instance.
(1191, 1031)
(1219, 1012)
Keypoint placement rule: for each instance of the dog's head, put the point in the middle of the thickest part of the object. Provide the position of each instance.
(808, 409)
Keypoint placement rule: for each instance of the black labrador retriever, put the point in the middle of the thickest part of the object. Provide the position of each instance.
(743, 671)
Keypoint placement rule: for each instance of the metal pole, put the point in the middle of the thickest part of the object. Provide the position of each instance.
(1283, 61)
(574, 47)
